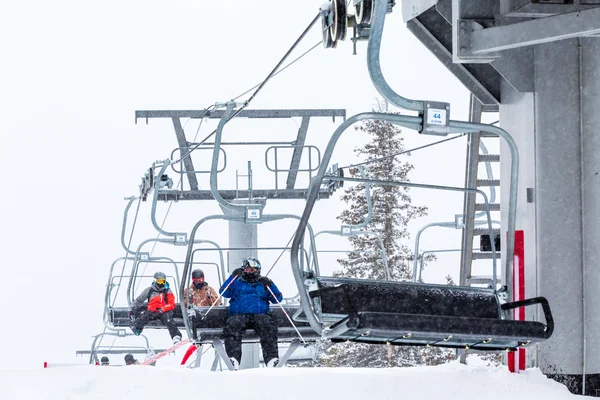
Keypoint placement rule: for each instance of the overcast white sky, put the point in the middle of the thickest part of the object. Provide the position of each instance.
(72, 75)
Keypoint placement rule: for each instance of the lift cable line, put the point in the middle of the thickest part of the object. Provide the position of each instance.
(260, 86)
(282, 69)
(402, 152)
(280, 254)
(272, 73)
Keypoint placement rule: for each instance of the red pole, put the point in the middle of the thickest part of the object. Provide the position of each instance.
(516, 359)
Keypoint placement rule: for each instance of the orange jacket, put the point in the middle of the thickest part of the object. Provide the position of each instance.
(157, 298)
(205, 296)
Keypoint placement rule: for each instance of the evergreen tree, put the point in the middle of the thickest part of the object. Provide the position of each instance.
(392, 208)
(392, 211)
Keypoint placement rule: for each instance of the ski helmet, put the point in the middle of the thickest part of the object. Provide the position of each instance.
(129, 359)
(160, 275)
(197, 273)
(251, 262)
(104, 360)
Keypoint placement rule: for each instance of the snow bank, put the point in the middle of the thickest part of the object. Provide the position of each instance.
(137, 382)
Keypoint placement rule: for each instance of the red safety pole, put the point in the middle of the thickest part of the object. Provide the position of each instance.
(516, 359)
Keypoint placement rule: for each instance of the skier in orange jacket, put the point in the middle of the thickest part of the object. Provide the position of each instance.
(161, 303)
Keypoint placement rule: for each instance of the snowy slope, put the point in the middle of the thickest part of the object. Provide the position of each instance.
(447, 381)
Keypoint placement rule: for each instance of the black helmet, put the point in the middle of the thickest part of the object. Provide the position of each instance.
(129, 359)
(197, 273)
(104, 360)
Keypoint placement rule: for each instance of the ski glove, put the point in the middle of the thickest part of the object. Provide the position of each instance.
(237, 272)
(265, 281)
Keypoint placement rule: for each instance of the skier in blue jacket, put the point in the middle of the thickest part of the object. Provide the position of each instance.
(250, 296)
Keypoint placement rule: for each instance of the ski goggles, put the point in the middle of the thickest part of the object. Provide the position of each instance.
(198, 279)
(252, 264)
(161, 281)
(105, 363)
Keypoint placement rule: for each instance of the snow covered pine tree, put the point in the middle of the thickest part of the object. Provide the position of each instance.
(392, 211)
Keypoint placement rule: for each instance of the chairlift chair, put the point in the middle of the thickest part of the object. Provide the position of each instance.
(410, 313)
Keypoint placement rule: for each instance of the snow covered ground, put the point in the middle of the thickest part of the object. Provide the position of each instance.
(451, 380)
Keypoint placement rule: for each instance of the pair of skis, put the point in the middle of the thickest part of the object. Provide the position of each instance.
(176, 346)
(182, 343)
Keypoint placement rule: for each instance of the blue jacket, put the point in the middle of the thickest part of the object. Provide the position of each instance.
(249, 298)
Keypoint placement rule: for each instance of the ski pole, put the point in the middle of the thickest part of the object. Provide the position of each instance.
(219, 297)
(286, 314)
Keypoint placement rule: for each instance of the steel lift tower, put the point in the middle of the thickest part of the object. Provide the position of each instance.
(536, 62)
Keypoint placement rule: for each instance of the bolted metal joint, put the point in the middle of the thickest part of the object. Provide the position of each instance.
(466, 29)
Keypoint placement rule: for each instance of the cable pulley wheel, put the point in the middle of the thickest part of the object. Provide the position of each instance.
(364, 12)
(340, 20)
(327, 39)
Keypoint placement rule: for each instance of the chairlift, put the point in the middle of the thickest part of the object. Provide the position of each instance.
(412, 313)
(205, 324)
(408, 313)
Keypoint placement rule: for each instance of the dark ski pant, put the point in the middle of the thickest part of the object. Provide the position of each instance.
(263, 324)
(166, 318)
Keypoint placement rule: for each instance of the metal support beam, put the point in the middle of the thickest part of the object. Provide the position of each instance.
(297, 156)
(176, 195)
(283, 360)
(466, 256)
(184, 149)
(413, 8)
(533, 32)
(221, 352)
(529, 9)
(243, 114)
(480, 79)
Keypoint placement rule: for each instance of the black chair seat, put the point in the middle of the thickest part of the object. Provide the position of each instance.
(402, 313)
(120, 317)
(442, 331)
(210, 326)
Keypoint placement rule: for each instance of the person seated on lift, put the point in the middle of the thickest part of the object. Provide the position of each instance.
(130, 360)
(250, 296)
(200, 294)
(161, 303)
